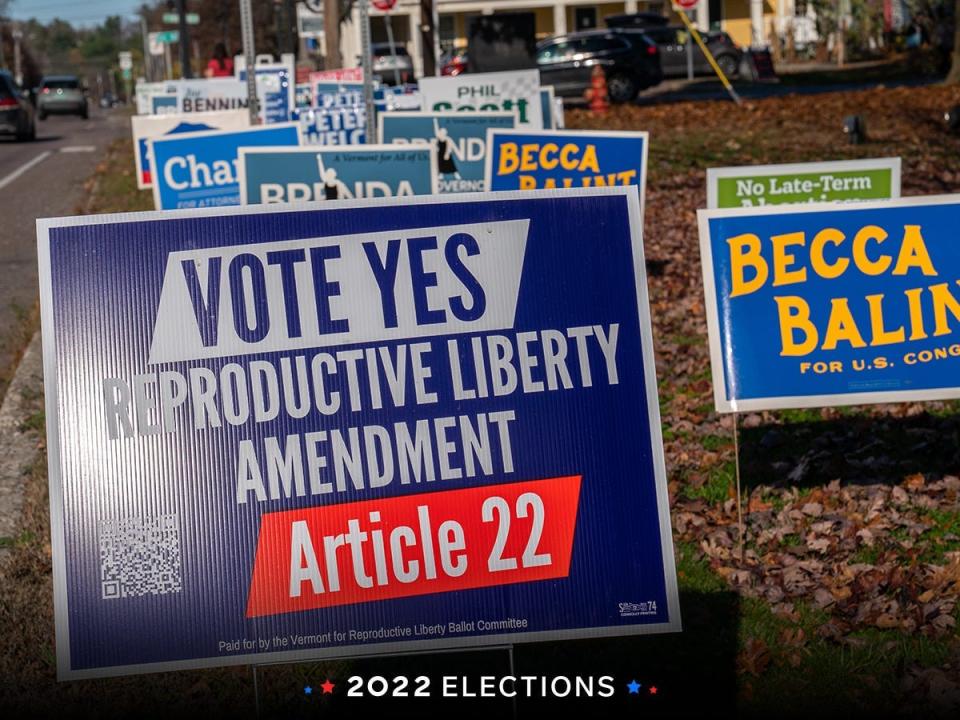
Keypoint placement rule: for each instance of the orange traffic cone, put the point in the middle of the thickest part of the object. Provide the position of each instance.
(596, 94)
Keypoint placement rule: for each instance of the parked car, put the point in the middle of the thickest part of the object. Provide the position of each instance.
(629, 58)
(61, 95)
(386, 67)
(454, 62)
(672, 41)
(16, 110)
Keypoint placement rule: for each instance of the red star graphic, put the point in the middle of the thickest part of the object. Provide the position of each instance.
(653, 690)
(328, 687)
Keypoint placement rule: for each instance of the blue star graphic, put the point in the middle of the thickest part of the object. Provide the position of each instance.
(634, 687)
(308, 690)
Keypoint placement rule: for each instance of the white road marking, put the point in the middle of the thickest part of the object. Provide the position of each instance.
(23, 168)
(78, 149)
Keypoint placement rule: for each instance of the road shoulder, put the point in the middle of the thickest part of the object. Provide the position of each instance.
(21, 415)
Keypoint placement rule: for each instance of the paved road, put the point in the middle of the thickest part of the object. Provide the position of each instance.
(44, 178)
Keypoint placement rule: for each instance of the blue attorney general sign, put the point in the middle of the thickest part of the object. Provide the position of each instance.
(460, 139)
(274, 175)
(830, 304)
(529, 160)
(365, 427)
(195, 170)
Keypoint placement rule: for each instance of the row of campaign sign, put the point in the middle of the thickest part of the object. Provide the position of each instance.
(280, 99)
(420, 154)
(428, 419)
(336, 117)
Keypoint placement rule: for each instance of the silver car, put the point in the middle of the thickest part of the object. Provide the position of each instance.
(61, 95)
(392, 65)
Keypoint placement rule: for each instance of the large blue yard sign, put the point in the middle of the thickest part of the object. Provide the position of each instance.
(196, 170)
(460, 139)
(364, 427)
(831, 304)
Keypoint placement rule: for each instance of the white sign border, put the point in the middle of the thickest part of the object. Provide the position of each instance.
(788, 402)
(50, 371)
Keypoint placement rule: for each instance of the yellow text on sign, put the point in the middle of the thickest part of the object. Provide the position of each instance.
(832, 254)
(550, 156)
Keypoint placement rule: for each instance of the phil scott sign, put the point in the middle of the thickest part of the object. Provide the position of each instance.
(833, 304)
(367, 427)
(515, 91)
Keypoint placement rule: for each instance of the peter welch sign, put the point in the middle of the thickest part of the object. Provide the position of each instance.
(833, 304)
(380, 425)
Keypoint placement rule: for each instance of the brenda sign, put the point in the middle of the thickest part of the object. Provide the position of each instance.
(147, 127)
(515, 91)
(273, 175)
(460, 139)
(520, 160)
(833, 304)
(199, 169)
(284, 434)
(758, 185)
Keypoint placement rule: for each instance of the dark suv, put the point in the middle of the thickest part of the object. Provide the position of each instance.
(16, 110)
(672, 41)
(630, 60)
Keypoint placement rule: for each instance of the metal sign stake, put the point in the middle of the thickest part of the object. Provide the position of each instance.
(371, 121)
(249, 56)
(736, 465)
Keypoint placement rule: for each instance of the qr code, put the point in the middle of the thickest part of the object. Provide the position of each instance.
(140, 556)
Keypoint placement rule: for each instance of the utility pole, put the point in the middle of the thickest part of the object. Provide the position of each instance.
(17, 67)
(147, 57)
(249, 57)
(184, 33)
(366, 61)
(428, 30)
(290, 18)
(331, 34)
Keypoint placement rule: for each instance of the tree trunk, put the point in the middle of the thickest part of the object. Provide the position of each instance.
(953, 77)
(331, 31)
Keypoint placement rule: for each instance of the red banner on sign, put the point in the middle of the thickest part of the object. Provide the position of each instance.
(414, 545)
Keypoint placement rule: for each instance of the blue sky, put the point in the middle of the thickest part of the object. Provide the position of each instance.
(78, 12)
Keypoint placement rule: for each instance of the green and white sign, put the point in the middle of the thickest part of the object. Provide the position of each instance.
(842, 181)
(165, 37)
(174, 18)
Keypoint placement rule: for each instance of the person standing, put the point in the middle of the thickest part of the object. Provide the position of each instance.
(221, 65)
